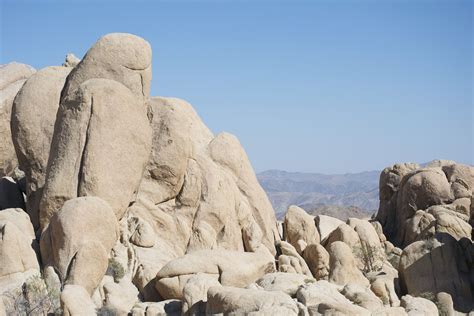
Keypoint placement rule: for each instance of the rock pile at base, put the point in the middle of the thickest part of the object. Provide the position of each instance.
(117, 203)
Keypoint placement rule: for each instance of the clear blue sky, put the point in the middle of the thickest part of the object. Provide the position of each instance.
(322, 86)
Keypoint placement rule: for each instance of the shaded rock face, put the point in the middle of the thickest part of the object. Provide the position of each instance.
(32, 125)
(409, 196)
(438, 265)
(426, 211)
(12, 78)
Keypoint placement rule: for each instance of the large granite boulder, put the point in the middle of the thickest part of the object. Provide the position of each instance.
(78, 240)
(231, 268)
(32, 126)
(438, 265)
(299, 228)
(231, 300)
(12, 78)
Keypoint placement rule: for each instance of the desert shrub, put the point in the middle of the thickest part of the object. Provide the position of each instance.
(372, 257)
(430, 296)
(106, 311)
(115, 269)
(34, 297)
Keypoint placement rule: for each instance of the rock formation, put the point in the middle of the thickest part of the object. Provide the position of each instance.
(126, 204)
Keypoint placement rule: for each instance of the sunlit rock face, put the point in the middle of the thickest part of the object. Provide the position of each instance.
(124, 203)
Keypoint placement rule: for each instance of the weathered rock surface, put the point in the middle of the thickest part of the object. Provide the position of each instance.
(32, 126)
(75, 300)
(230, 300)
(231, 268)
(323, 297)
(141, 210)
(288, 283)
(418, 306)
(18, 258)
(342, 266)
(120, 57)
(326, 225)
(435, 266)
(12, 78)
(195, 293)
(74, 246)
(411, 199)
(87, 148)
(299, 228)
(317, 258)
(290, 260)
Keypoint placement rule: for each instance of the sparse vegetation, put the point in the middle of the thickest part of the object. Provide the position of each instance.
(115, 269)
(372, 257)
(34, 297)
(430, 296)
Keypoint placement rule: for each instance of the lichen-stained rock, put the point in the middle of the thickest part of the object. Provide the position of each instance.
(100, 147)
(437, 265)
(317, 258)
(78, 240)
(299, 225)
(121, 57)
(32, 125)
(343, 266)
(231, 300)
(323, 298)
(10, 194)
(231, 267)
(12, 78)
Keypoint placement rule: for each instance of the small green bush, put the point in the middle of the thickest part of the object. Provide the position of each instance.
(115, 269)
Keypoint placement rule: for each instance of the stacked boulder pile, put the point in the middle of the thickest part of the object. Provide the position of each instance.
(113, 202)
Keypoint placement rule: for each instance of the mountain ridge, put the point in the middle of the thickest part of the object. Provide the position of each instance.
(314, 190)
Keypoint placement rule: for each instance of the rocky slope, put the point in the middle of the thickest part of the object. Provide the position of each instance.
(126, 204)
(344, 195)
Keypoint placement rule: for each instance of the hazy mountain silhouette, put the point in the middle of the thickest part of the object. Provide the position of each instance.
(339, 195)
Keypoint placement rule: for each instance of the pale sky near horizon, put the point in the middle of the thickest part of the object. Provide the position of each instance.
(312, 86)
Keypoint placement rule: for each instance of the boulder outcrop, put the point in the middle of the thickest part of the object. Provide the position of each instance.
(139, 209)
(12, 78)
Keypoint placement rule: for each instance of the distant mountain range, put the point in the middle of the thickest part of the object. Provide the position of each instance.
(338, 195)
